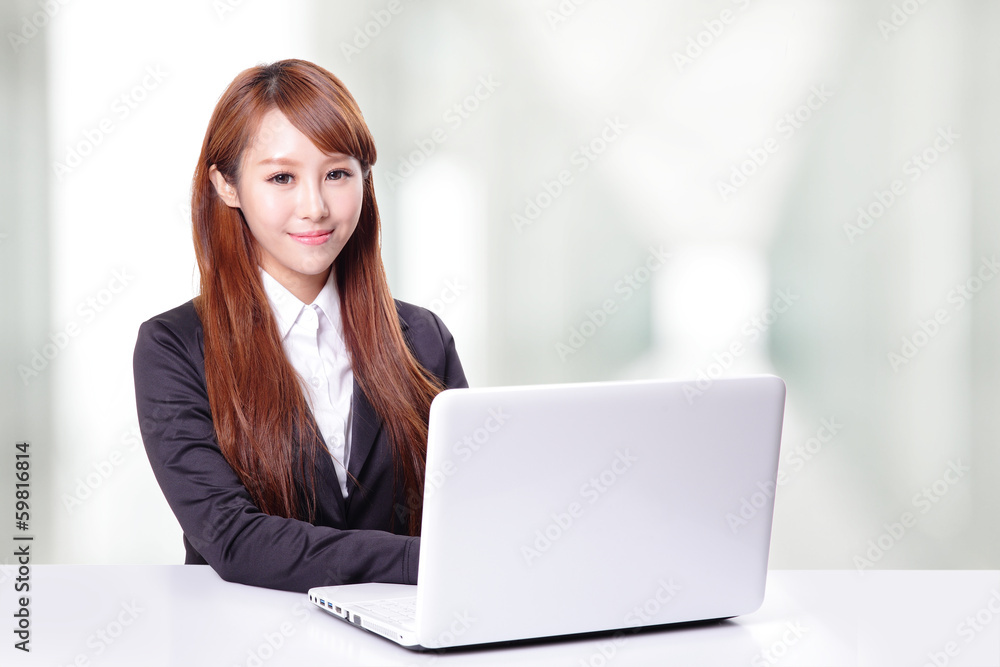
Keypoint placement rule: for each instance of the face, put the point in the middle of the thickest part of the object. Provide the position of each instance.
(301, 204)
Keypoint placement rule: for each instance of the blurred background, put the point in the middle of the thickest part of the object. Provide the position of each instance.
(582, 190)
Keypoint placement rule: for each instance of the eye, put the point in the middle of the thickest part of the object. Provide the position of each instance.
(338, 174)
(281, 179)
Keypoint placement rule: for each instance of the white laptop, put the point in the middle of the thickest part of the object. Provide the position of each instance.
(576, 508)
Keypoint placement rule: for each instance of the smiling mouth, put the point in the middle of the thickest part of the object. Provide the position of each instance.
(313, 238)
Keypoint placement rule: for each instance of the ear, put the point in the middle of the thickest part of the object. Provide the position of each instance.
(225, 191)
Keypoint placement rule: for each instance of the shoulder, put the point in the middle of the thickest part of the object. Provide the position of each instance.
(430, 341)
(177, 331)
(183, 317)
(420, 325)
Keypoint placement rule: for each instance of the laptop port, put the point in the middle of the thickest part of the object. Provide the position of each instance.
(338, 610)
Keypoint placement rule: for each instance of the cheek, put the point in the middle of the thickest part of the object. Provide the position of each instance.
(264, 217)
(348, 207)
(267, 207)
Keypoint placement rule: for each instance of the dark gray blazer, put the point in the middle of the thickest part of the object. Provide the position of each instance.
(358, 539)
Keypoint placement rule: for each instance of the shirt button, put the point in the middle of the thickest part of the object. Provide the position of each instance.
(315, 382)
(309, 320)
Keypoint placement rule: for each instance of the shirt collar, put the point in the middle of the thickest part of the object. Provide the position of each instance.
(287, 307)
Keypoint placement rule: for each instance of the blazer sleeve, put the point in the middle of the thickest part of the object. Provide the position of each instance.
(213, 507)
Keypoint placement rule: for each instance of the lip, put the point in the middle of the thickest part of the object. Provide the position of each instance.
(318, 237)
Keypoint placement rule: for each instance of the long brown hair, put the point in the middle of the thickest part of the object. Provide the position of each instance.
(262, 419)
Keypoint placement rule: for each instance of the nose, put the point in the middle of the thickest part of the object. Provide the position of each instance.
(312, 205)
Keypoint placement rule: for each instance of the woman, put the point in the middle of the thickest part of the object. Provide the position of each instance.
(284, 409)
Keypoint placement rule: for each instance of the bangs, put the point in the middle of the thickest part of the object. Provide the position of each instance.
(325, 112)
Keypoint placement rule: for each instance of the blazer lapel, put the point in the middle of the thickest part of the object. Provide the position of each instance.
(365, 427)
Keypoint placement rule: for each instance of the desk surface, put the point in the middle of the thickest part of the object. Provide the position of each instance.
(150, 615)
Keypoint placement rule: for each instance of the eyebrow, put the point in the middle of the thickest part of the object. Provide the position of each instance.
(295, 163)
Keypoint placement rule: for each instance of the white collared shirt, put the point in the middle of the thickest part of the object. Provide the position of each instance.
(313, 338)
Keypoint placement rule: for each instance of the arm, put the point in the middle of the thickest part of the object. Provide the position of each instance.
(213, 507)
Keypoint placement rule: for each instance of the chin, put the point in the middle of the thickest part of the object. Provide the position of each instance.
(316, 270)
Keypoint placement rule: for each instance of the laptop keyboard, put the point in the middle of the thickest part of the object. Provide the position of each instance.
(398, 610)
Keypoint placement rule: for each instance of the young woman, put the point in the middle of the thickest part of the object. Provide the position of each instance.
(284, 409)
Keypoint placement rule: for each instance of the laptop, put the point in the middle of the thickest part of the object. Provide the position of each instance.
(560, 509)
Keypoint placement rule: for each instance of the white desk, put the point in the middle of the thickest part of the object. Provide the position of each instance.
(145, 616)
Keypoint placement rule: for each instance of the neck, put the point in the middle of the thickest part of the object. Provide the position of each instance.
(303, 288)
